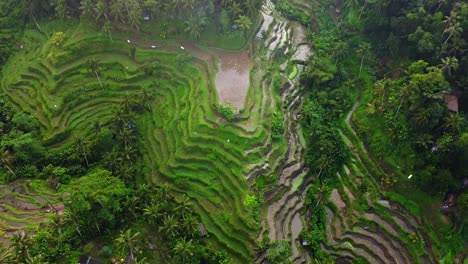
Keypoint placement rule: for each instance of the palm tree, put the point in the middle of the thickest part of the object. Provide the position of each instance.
(235, 10)
(226, 3)
(190, 225)
(162, 192)
(117, 11)
(5, 255)
(322, 190)
(422, 116)
(7, 158)
(170, 227)
(97, 126)
(129, 153)
(184, 206)
(193, 28)
(101, 11)
(188, 5)
(184, 249)
(340, 50)
(453, 30)
(128, 243)
(107, 28)
(253, 6)
(178, 5)
(38, 259)
(94, 67)
(146, 97)
(154, 212)
(134, 17)
(453, 122)
(363, 50)
(244, 23)
(113, 160)
(126, 172)
(87, 8)
(20, 244)
(56, 224)
(448, 64)
(80, 142)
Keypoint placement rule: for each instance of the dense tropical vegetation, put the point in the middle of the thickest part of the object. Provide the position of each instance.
(115, 145)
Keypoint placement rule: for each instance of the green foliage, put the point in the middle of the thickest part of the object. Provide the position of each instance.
(225, 110)
(277, 125)
(58, 38)
(279, 252)
(92, 205)
(251, 201)
(287, 10)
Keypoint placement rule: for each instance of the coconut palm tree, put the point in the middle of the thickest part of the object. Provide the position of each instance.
(170, 227)
(93, 66)
(340, 50)
(363, 50)
(7, 159)
(187, 6)
(134, 16)
(5, 255)
(226, 3)
(162, 192)
(253, 6)
(184, 206)
(81, 144)
(154, 212)
(146, 97)
(244, 23)
(38, 259)
(190, 225)
(453, 30)
(235, 10)
(448, 64)
(56, 224)
(453, 122)
(193, 28)
(87, 8)
(178, 6)
(128, 243)
(107, 29)
(113, 160)
(20, 244)
(117, 11)
(183, 249)
(97, 126)
(101, 11)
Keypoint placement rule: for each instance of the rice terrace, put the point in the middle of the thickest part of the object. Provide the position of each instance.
(233, 131)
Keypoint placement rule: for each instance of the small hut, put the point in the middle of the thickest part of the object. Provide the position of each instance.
(452, 103)
(202, 229)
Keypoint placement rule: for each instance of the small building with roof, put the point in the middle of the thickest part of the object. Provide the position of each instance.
(452, 103)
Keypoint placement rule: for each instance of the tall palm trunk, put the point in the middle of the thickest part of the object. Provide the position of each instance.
(360, 68)
(99, 79)
(9, 169)
(35, 21)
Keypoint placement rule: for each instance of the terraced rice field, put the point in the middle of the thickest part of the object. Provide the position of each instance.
(24, 205)
(364, 224)
(184, 141)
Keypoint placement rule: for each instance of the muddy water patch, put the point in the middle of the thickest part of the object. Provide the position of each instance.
(232, 79)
